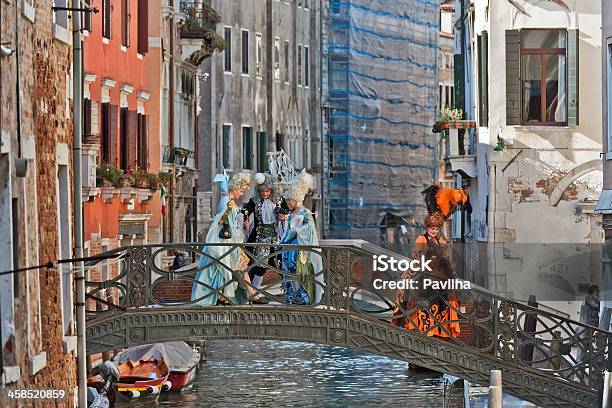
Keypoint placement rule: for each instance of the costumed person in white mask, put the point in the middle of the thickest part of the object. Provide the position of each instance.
(268, 209)
(303, 283)
(226, 228)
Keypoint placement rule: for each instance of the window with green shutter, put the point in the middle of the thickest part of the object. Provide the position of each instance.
(483, 79)
(262, 160)
(542, 77)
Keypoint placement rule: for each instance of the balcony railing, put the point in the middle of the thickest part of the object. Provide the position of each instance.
(460, 146)
(177, 155)
(201, 19)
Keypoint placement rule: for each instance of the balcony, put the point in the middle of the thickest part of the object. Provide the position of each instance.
(201, 19)
(177, 155)
(460, 147)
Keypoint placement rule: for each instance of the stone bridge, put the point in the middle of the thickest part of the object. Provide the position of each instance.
(135, 297)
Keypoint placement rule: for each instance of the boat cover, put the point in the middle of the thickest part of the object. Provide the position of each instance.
(177, 355)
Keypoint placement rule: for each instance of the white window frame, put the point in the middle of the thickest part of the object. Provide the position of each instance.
(277, 53)
(299, 63)
(253, 146)
(231, 147)
(609, 94)
(287, 60)
(258, 55)
(242, 48)
(64, 247)
(231, 61)
(306, 66)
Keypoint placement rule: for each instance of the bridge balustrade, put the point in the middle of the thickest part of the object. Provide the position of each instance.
(497, 332)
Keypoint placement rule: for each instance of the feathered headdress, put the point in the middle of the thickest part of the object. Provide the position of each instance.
(299, 188)
(444, 201)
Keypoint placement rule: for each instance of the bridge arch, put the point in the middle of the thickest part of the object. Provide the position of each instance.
(324, 326)
(573, 175)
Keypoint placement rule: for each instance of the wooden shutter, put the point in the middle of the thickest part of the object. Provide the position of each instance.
(261, 152)
(483, 78)
(573, 41)
(143, 142)
(124, 23)
(132, 138)
(459, 82)
(106, 18)
(86, 117)
(143, 26)
(513, 79)
(114, 117)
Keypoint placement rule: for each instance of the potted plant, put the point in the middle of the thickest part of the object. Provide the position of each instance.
(137, 177)
(152, 181)
(446, 117)
(164, 177)
(109, 175)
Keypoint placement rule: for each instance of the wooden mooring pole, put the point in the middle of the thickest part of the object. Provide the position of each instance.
(495, 389)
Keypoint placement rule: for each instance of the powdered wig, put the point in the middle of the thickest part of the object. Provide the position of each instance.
(299, 188)
(240, 181)
(266, 180)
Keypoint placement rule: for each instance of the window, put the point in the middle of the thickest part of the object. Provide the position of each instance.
(277, 59)
(280, 141)
(143, 141)
(483, 79)
(86, 117)
(543, 76)
(299, 63)
(258, 55)
(305, 4)
(226, 148)
(143, 26)
(60, 17)
(63, 204)
(609, 96)
(306, 66)
(247, 148)
(106, 134)
(441, 94)
(123, 139)
(287, 61)
(261, 152)
(86, 16)
(228, 49)
(107, 11)
(125, 23)
(15, 233)
(245, 51)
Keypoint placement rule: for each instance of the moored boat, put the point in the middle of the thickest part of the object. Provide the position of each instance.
(142, 378)
(181, 361)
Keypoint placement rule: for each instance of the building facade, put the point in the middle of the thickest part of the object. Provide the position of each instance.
(604, 205)
(181, 37)
(117, 146)
(36, 307)
(380, 84)
(532, 168)
(263, 92)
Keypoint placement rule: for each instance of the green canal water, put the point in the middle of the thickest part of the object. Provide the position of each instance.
(286, 374)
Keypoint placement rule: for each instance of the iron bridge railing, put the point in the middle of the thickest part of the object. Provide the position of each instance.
(512, 332)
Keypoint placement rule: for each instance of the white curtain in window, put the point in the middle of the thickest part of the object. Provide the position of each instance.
(562, 91)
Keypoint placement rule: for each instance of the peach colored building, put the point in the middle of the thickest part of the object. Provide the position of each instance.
(120, 159)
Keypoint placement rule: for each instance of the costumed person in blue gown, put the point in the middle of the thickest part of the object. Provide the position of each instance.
(303, 283)
(226, 227)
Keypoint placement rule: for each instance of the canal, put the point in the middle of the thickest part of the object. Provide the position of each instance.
(286, 374)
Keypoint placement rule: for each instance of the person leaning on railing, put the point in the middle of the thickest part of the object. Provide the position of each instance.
(225, 228)
(443, 304)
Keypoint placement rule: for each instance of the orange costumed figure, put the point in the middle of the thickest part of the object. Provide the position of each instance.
(439, 318)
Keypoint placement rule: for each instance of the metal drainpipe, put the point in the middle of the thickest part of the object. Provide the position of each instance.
(77, 106)
(171, 129)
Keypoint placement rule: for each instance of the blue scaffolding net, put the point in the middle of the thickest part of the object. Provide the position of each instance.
(381, 90)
